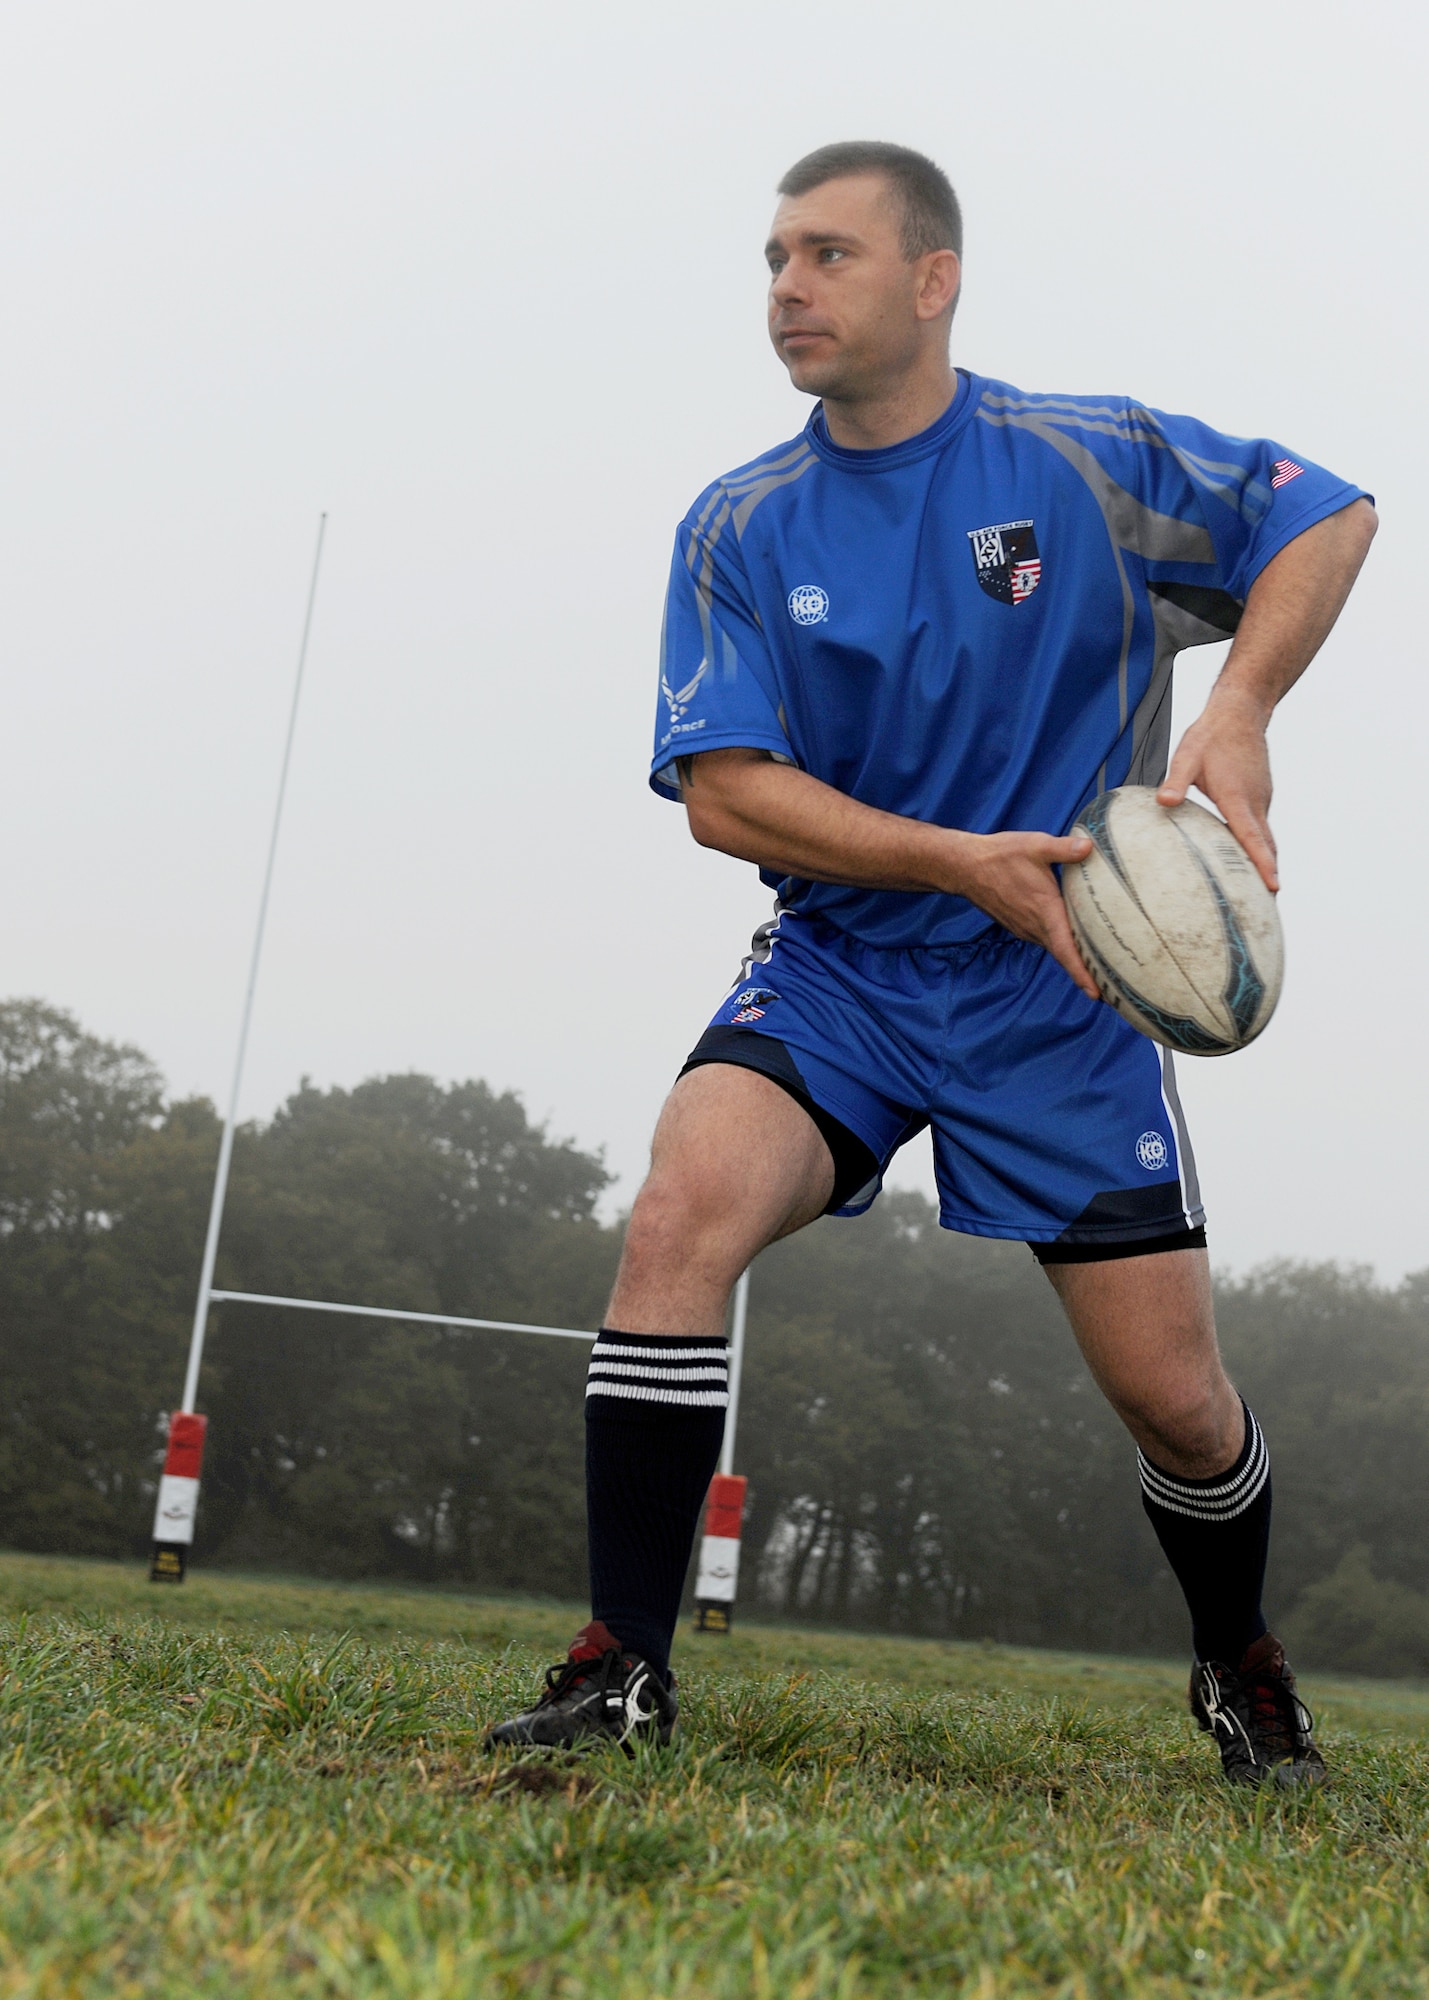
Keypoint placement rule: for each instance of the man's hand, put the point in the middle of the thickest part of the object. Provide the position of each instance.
(1010, 876)
(1224, 754)
(1288, 615)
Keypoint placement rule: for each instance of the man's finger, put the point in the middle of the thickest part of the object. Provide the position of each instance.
(1256, 838)
(1063, 947)
(1185, 769)
(1065, 847)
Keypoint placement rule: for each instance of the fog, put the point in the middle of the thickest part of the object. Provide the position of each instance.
(487, 286)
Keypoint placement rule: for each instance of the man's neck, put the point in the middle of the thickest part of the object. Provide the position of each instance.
(910, 406)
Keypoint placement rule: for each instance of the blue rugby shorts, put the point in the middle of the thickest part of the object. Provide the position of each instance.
(1053, 1121)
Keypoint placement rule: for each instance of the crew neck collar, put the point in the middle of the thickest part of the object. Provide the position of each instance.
(885, 458)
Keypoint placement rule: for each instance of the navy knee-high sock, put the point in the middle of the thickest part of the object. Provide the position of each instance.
(1216, 1535)
(654, 1423)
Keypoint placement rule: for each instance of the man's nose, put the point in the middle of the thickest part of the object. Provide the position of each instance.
(788, 287)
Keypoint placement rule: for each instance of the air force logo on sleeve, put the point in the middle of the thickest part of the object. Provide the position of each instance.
(679, 700)
(1008, 565)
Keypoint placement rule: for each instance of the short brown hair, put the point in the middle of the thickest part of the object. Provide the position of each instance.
(930, 218)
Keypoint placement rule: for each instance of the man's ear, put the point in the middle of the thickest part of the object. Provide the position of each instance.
(941, 280)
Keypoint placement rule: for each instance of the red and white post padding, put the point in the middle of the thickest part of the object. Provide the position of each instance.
(718, 1576)
(178, 1497)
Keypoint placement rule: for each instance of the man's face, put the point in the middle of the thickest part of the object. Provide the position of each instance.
(844, 307)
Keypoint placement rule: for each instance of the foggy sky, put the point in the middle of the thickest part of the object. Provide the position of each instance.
(487, 285)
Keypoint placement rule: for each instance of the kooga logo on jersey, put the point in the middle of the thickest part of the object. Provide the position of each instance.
(808, 604)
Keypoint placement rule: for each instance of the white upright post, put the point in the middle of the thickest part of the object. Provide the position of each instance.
(736, 1372)
(178, 1488)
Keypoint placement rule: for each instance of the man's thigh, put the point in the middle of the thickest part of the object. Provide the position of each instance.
(735, 1144)
(736, 1163)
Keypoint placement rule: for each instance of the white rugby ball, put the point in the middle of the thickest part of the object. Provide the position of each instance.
(1174, 923)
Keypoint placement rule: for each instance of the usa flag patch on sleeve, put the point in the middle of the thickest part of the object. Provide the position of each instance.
(1284, 470)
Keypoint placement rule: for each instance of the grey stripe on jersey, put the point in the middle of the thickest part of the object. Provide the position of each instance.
(1182, 617)
(1131, 524)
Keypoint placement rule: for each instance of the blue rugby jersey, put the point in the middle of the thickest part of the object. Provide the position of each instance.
(975, 627)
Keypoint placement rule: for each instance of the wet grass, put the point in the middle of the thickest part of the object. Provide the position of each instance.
(248, 1787)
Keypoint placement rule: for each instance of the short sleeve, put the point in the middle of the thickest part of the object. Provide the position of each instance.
(718, 687)
(1254, 495)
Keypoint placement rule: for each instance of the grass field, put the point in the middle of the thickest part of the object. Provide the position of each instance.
(247, 1787)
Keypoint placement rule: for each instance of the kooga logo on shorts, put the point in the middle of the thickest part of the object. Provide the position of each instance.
(808, 604)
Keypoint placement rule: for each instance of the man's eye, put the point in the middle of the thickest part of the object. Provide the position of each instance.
(776, 265)
(828, 254)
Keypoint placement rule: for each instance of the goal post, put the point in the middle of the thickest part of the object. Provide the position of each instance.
(176, 1506)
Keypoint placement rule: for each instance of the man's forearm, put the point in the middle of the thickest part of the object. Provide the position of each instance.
(1292, 607)
(1288, 614)
(746, 804)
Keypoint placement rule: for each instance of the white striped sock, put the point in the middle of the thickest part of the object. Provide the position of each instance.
(691, 1374)
(1211, 1500)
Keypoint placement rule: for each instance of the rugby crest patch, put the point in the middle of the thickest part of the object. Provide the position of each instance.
(750, 1005)
(1007, 561)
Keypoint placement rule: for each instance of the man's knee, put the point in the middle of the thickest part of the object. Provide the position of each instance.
(1190, 1424)
(666, 1211)
(677, 1219)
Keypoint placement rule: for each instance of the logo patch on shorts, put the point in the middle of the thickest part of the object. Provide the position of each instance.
(1153, 1152)
(750, 1005)
(1007, 561)
(808, 604)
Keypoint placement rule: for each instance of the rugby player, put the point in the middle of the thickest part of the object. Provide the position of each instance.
(902, 651)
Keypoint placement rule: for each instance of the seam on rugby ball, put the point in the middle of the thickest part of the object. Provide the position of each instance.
(1238, 952)
(1182, 1033)
(1098, 830)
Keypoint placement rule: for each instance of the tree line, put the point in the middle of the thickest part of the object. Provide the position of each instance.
(926, 1452)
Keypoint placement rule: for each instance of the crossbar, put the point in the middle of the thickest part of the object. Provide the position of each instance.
(390, 1312)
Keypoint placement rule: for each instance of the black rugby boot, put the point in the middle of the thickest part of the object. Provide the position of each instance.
(1261, 1726)
(599, 1693)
